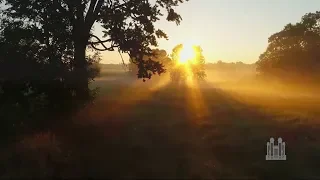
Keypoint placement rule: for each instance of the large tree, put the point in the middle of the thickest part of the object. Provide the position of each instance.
(128, 26)
(294, 52)
(44, 65)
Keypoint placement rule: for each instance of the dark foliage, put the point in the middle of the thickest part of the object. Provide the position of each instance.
(293, 53)
(45, 70)
(158, 56)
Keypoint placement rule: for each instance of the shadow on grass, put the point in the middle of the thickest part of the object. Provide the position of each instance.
(156, 136)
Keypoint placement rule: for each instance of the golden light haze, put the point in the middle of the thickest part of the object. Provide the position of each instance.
(228, 30)
(186, 53)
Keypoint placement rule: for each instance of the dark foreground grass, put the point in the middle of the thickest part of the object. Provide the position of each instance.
(140, 132)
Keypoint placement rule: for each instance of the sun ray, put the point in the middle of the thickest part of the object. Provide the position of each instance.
(196, 104)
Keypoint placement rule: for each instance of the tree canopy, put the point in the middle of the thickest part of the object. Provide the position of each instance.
(158, 55)
(44, 44)
(293, 52)
(128, 26)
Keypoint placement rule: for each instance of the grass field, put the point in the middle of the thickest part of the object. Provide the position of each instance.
(159, 130)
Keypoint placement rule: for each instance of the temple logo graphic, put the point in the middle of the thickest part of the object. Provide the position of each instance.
(276, 152)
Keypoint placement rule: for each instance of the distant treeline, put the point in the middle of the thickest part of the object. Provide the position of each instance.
(238, 66)
(219, 65)
(112, 66)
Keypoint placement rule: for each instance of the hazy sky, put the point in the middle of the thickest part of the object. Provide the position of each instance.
(229, 30)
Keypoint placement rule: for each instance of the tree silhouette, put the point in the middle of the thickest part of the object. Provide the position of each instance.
(194, 68)
(44, 67)
(293, 53)
(158, 55)
(128, 25)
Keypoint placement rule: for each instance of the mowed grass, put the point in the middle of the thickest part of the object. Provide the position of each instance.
(145, 130)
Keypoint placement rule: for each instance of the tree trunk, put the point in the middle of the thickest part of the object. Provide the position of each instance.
(81, 74)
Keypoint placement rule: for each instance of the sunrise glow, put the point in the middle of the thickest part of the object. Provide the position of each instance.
(187, 53)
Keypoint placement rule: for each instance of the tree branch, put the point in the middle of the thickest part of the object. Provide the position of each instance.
(123, 4)
(93, 12)
(99, 40)
(105, 48)
(93, 3)
(96, 12)
(98, 7)
(89, 15)
(111, 48)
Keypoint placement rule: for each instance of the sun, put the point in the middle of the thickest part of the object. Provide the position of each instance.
(187, 53)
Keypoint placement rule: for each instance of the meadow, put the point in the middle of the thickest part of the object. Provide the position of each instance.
(157, 129)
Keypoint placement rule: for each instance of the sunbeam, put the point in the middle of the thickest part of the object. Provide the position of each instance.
(196, 104)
